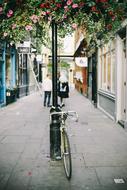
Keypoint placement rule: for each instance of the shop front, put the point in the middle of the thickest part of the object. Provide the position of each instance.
(8, 90)
(107, 78)
(2, 74)
(112, 77)
(10, 74)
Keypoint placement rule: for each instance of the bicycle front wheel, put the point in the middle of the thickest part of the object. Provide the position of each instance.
(67, 155)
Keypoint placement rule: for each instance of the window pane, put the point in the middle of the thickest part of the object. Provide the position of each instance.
(105, 68)
(101, 72)
(109, 71)
(113, 72)
(8, 70)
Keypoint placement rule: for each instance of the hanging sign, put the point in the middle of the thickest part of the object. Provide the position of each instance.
(81, 61)
(24, 50)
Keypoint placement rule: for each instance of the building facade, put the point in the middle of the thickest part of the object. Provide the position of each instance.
(8, 90)
(112, 77)
(106, 74)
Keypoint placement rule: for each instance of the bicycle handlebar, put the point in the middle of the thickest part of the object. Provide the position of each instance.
(68, 113)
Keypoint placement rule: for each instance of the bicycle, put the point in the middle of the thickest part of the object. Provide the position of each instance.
(65, 144)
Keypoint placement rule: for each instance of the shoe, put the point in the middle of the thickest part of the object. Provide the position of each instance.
(63, 105)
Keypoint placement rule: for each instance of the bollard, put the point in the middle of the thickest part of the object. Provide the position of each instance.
(55, 136)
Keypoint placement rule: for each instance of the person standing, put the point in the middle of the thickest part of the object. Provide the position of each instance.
(63, 90)
(47, 88)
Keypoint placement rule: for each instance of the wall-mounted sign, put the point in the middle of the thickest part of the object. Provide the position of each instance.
(81, 61)
(24, 50)
(39, 58)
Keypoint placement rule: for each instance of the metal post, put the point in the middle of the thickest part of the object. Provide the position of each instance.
(54, 125)
(54, 63)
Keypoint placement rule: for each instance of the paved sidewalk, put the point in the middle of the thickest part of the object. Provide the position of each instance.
(99, 148)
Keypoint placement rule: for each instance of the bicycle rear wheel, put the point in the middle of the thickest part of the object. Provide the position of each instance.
(67, 155)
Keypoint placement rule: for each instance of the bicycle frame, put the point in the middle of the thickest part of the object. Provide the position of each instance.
(65, 144)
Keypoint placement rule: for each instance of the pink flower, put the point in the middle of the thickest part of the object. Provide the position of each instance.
(113, 18)
(94, 9)
(66, 8)
(43, 13)
(34, 18)
(103, 1)
(10, 13)
(58, 5)
(5, 34)
(81, 4)
(69, 2)
(42, 5)
(47, 12)
(74, 6)
(109, 26)
(13, 26)
(74, 25)
(65, 16)
(28, 27)
(49, 18)
(1, 10)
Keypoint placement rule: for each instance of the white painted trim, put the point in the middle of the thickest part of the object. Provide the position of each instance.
(126, 79)
(106, 113)
(118, 77)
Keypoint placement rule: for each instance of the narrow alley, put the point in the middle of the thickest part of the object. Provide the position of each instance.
(98, 145)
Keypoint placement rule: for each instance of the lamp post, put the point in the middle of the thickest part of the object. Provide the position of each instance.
(54, 63)
(54, 125)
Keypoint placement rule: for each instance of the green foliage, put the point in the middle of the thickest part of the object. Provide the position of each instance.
(99, 18)
(63, 64)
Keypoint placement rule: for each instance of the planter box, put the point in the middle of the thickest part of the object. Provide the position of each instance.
(11, 96)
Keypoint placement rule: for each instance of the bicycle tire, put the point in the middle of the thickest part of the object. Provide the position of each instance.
(67, 155)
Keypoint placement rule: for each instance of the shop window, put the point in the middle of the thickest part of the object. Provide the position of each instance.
(8, 70)
(107, 68)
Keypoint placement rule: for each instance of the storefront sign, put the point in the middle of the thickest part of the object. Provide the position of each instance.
(81, 61)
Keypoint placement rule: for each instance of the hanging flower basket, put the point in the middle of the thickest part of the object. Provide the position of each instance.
(17, 17)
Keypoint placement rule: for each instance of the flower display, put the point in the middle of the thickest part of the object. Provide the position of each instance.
(20, 16)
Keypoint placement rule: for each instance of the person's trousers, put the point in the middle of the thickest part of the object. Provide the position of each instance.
(47, 97)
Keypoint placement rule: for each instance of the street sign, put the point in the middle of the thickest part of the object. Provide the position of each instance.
(24, 50)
